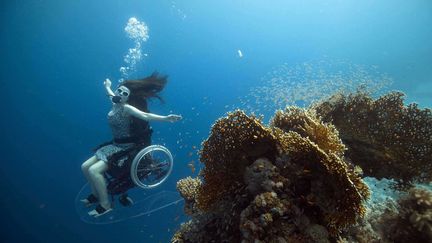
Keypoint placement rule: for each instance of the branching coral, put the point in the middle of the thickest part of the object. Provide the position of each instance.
(384, 137)
(317, 148)
(235, 142)
(307, 124)
(188, 188)
(326, 180)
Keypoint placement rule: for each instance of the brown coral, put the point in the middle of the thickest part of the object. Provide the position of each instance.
(307, 124)
(317, 148)
(235, 142)
(414, 221)
(384, 137)
(262, 219)
(335, 189)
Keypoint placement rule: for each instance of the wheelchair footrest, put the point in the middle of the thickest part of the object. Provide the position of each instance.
(125, 200)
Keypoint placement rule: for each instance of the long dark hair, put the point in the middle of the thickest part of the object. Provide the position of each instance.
(140, 91)
(143, 89)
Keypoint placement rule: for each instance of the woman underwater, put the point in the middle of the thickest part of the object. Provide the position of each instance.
(129, 121)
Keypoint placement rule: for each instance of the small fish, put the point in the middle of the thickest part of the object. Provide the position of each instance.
(191, 165)
(240, 53)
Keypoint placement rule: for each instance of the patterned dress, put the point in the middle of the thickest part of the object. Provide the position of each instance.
(120, 123)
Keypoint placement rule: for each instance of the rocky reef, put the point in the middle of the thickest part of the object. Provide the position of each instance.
(413, 223)
(407, 219)
(299, 179)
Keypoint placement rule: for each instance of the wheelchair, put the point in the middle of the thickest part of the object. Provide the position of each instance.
(146, 168)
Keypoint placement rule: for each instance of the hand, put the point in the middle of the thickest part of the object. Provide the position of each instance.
(173, 118)
(107, 83)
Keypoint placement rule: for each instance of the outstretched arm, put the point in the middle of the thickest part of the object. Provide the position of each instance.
(107, 84)
(150, 116)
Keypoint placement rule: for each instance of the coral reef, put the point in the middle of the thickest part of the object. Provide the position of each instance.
(384, 137)
(401, 217)
(414, 221)
(307, 124)
(299, 178)
(325, 180)
(188, 188)
(381, 204)
(235, 142)
(285, 182)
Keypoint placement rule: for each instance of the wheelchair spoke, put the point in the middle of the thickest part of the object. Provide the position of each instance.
(152, 167)
(141, 170)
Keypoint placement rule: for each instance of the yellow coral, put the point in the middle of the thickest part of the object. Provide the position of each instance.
(188, 187)
(306, 123)
(423, 197)
(181, 234)
(266, 199)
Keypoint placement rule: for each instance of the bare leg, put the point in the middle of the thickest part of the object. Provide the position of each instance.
(85, 169)
(96, 172)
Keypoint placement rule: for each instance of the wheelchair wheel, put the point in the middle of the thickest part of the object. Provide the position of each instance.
(151, 166)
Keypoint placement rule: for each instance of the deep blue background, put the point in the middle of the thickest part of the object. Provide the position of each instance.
(54, 56)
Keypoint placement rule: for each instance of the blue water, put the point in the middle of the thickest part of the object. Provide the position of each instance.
(54, 56)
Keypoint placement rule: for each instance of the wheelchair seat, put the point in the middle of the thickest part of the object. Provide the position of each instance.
(146, 168)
